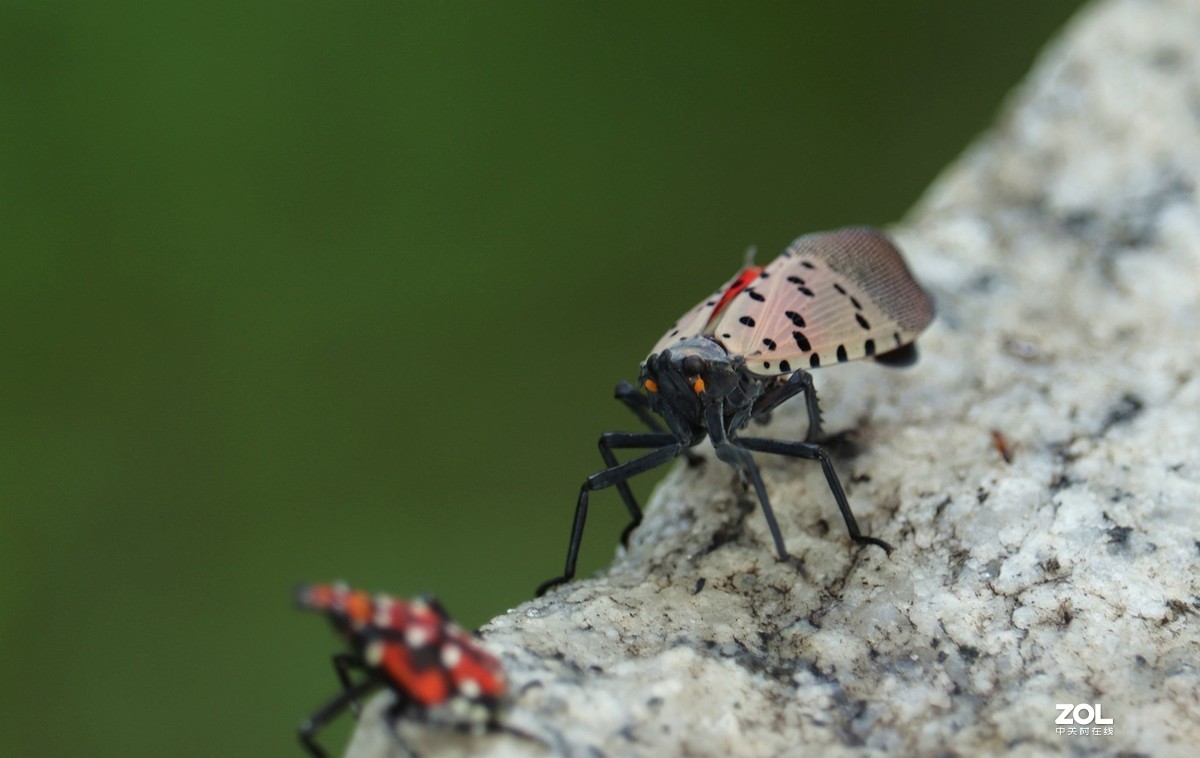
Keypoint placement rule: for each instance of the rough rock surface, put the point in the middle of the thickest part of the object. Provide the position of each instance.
(1064, 253)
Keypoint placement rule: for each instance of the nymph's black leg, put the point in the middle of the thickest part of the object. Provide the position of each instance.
(800, 382)
(396, 711)
(730, 452)
(637, 402)
(343, 664)
(326, 713)
(606, 478)
(812, 452)
(625, 440)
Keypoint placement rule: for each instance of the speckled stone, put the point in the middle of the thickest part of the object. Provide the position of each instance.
(1064, 252)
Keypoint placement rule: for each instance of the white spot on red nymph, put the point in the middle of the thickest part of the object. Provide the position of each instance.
(416, 637)
(373, 655)
(470, 688)
(451, 655)
(383, 611)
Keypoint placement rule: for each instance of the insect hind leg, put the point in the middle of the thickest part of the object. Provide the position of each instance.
(799, 383)
(814, 452)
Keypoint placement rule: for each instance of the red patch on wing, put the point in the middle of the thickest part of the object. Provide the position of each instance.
(748, 274)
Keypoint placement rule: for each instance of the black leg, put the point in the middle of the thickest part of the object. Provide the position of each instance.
(800, 382)
(343, 664)
(637, 402)
(730, 452)
(625, 440)
(326, 713)
(606, 478)
(812, 452)
(395, 712)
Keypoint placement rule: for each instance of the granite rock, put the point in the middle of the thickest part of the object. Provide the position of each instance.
(1038, 472)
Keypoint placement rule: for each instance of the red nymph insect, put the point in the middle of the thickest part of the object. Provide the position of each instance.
(435, 669)
(829, 298)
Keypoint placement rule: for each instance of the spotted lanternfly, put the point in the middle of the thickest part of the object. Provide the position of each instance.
(829, 298)
(435, 669)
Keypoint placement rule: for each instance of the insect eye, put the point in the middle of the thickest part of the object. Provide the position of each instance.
(693, 364)
(698, 385)
(650, 385)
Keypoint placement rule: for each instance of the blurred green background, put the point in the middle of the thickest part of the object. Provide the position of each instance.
(314, 290)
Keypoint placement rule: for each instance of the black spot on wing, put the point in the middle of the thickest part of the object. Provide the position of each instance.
(802, 341)
(869, 347)
(841, 354)
(785, 367)
(746, 320)
(815, 361)
(861, 321)
(805, 291)
(770, 343)
(795, 280)
(755, 296)
(854, 300)
(839, 288)
(796, 318)
(808, 265)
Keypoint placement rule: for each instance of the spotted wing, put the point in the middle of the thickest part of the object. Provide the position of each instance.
(692, 323)
(829, 298)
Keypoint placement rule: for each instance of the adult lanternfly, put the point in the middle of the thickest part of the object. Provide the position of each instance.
(434, 668)
(829, 298)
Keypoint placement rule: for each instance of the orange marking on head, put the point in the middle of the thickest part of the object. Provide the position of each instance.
(698, 385)
(650, 385)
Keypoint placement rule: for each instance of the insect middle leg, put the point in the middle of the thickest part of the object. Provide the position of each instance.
(813, 452)
(613, 475)
(737, 456)
(328, 712)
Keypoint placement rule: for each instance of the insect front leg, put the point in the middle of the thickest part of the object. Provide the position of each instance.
(606, 478)
(625, 440)
(799, 383)
(328, 712)
(812, 452)
(640, 405)
(343, 664)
